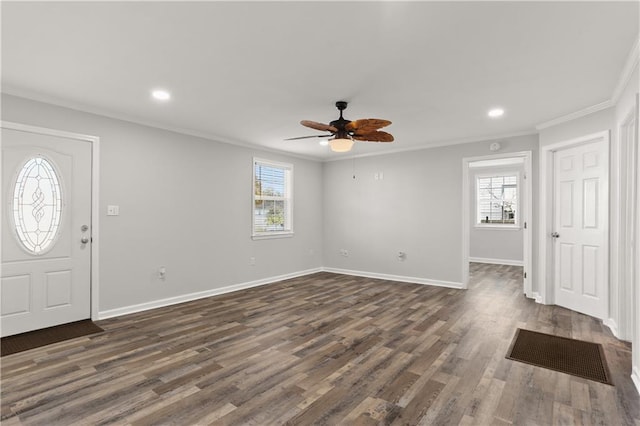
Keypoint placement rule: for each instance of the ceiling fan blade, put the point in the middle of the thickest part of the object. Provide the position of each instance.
(319, 126)
(375, 136)
(307, 137)
(366, 125)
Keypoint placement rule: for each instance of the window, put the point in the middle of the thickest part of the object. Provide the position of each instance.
(37, 205)
(497, 200)
(272, 189)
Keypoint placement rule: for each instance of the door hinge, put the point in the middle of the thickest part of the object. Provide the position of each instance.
(525, 275)
(525, 225)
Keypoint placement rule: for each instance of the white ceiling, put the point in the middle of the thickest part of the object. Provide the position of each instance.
(249, 72)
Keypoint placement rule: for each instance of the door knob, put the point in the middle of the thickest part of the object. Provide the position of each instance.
(84, 240)
(555, 235)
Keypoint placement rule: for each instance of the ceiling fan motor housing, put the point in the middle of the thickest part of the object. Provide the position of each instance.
(341, 105)
(340, 123)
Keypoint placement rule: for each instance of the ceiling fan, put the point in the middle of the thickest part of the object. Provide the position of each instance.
(344, 131)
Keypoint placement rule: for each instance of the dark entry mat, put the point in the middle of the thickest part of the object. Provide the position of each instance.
(570, 356)
(35, 339)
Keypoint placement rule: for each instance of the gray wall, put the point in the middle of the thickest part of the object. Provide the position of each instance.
(498, 244)
(185, 203)
(415, 208)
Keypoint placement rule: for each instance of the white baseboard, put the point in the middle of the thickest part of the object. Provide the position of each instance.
(200, 295)
(496, 261)
(125, 310)
(537, 297)
(613, 326)
(401, 278)
(635, 376)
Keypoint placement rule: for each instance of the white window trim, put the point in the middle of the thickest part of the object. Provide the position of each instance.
(498, 226)
(289, 189)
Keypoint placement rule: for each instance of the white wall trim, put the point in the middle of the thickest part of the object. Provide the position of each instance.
(125, 310)
(629, 67)
(635, 376)
(95, 198)
(577, 114)
(508, 262)
(545, 216)
(613, 326)
(78, 106)
(400, 278)
(536, 296)
(622, 270)
(472, 139)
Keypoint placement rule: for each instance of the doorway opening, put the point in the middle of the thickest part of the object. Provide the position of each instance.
(496, 218)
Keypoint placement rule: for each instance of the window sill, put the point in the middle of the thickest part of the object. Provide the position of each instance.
(495, 226)
(272, 235)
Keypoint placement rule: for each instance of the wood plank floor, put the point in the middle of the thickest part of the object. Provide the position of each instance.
(323, 349)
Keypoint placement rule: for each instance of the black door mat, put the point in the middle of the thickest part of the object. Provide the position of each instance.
(570, 356)
(35, 339)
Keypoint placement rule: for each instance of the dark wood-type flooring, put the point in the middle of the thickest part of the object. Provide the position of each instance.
(323, 349)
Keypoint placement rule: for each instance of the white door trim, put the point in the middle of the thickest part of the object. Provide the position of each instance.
(95, 205)
(545, 214)
(526, 217)
(635, 341)
(623, 228)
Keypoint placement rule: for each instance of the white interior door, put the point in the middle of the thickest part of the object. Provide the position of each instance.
(46, 231)
(581, 200)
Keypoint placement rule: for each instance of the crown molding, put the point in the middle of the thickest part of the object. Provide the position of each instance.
(439, 144)
(78, 106)
(576, 114)
(629, 67)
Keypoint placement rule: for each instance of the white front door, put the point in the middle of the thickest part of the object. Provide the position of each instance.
(581, 199)
(46, 231)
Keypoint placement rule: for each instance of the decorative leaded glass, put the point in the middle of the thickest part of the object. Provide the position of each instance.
(37, 205)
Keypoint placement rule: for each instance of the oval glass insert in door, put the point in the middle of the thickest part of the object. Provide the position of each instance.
(37, 205)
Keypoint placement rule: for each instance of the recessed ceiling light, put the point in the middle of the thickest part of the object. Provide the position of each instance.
(495, 113)
(161, 95)
(324, 142)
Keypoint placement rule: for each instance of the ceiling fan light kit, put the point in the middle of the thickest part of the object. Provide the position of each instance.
(344, 131)
(341, 145)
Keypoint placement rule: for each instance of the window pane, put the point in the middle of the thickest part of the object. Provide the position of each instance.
(37, 205)
(269, 216)
(271, 209)
(497, 199)
(269, 181)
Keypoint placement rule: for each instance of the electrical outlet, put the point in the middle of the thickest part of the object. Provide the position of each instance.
(252, 261)
(344, 252)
